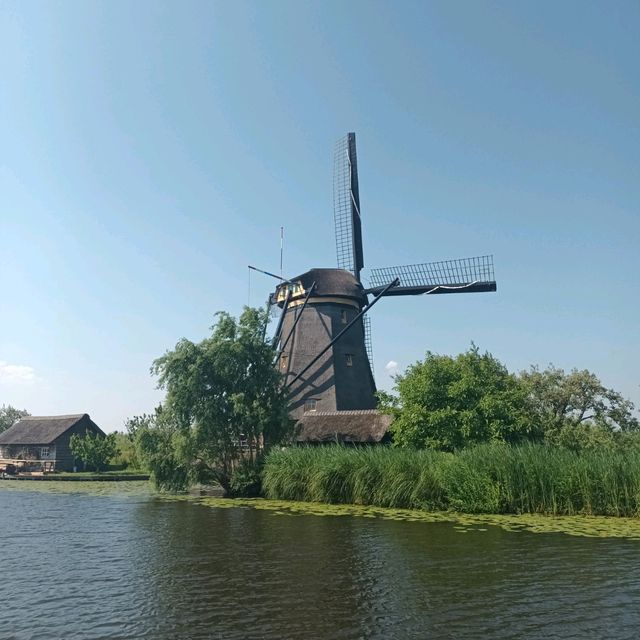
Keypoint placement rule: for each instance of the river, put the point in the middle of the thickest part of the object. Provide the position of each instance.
(117, 562)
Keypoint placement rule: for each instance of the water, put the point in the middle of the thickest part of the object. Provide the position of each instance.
(118, 563)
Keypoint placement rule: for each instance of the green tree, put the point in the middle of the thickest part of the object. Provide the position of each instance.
(576, 410)
(9, 414)
(145, 421)
(161, 449)
(94, 450)
(126, 455)
(224, 404)
(447, 403)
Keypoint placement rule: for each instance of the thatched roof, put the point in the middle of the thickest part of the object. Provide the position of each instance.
(43, 429)
(331, 282)
(366, 425)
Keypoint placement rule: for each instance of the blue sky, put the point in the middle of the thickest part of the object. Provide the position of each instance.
(151, 151)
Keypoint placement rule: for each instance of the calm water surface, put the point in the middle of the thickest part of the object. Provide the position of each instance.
(108, 564)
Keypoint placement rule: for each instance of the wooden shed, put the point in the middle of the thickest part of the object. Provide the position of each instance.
(41, 443)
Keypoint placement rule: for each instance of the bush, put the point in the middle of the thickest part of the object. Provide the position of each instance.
(126, 456)
(448, 403)
(94, 450)
(246, 479)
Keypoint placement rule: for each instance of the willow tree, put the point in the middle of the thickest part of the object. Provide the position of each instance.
(225, 403)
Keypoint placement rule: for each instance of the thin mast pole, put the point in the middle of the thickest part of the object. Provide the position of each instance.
(281, 249)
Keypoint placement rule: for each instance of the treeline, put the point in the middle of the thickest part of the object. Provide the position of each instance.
(450, 403)
(487, 478)
(467, 434)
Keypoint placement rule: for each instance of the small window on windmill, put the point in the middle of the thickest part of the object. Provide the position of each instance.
(284, 361)
(310, 404)
(349, 358)
(343, 317)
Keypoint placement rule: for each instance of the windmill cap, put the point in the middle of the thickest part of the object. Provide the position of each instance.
(331, 282)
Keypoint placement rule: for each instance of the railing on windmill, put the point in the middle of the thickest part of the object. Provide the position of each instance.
(283, 290)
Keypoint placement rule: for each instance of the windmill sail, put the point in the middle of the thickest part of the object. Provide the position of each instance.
(346, 206)
(465, 275)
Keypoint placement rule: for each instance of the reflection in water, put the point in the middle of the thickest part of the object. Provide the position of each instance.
(133, 566)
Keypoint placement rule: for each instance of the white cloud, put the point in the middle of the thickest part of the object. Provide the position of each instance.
(16, 373)
(391, 367)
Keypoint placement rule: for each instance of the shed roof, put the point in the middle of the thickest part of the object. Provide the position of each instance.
(364, 425)
(42, 429)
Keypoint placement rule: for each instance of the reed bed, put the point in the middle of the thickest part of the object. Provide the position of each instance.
(492, 478)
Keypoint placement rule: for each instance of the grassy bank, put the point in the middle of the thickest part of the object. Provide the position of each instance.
(485, 479)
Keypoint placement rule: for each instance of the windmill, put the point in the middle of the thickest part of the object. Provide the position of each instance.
(322, 339)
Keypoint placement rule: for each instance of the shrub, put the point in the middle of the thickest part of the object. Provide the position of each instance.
(448, 403)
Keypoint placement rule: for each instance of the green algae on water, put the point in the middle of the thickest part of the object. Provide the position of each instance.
(584, 526)
(103, 488)
(579, 525)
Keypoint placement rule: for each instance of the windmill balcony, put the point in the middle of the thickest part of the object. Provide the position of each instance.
(296, 289)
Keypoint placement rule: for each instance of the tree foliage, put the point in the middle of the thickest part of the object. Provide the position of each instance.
(126, 455)
(224, 403)
(570, 399)
(94, 450)
(447, 403)
(160, 448)
(576, 410)
(9, 414)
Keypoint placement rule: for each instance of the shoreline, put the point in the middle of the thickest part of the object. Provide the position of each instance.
(98, 477)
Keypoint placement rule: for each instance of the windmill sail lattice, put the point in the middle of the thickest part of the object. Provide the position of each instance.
(346, 206)
(448, 276)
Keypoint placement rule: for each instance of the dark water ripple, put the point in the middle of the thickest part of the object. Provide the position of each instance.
(91, 567)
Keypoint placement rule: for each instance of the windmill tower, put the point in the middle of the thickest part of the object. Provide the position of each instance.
(322, 336)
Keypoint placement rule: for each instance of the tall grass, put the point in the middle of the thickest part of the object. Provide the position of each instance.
(492, 478)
